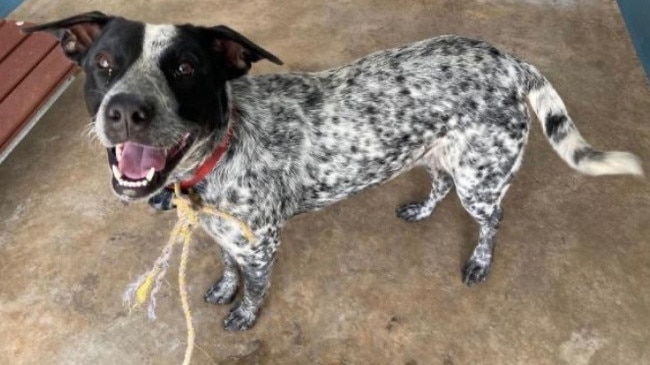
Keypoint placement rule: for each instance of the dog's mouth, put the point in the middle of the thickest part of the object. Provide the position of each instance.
(140, 170)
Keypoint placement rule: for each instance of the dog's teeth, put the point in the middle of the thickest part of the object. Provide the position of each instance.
(116, 172)
(150, 174)
(118, 152)
(132, 184)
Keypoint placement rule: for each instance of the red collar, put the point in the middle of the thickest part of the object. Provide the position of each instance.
(209, 164)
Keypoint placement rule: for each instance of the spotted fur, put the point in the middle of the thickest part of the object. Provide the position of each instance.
(302, 141)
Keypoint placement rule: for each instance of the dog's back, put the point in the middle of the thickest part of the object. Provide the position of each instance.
(448, 103)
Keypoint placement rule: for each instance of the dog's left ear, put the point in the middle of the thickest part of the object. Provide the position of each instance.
(76, 34)
(237, 51)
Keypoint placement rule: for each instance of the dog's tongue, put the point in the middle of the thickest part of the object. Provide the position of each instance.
(137, 160)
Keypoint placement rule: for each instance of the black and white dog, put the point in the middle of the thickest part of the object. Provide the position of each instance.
(164, 97)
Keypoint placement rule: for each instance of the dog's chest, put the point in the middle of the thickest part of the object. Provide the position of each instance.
(227, 230)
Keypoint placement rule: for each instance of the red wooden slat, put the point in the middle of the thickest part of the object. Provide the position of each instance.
(32, 92)
(23, 59)
(10, 37)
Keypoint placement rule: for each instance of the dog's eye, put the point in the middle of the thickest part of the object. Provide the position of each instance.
(185, 69)
(103, 61)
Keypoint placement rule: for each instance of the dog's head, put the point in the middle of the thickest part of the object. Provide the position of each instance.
(153, 90)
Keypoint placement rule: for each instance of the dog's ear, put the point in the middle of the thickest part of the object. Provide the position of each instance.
(237, 51)
(76, 34)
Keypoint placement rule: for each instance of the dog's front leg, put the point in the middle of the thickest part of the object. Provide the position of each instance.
(255, 267)
(224, 290)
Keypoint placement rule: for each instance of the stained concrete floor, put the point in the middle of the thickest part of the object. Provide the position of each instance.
(353, 285)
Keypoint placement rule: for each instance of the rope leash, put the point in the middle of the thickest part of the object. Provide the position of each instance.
(189, 209)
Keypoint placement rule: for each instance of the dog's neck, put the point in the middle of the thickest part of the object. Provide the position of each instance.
(238, 102)
(211, 162)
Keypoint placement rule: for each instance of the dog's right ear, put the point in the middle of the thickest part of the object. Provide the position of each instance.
(76, 34)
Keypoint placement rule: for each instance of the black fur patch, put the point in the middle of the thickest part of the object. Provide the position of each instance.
(589, 153)
(554, 123)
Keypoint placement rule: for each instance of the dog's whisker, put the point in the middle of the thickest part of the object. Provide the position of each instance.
(89, 134)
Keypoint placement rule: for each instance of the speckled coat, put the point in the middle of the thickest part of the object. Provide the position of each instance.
(302, 141)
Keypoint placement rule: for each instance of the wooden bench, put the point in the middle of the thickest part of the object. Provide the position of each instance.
(33, 74)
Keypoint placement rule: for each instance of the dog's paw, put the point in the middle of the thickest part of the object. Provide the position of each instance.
(414, 212)
(222, 292)
(162, 200)
(475, 272)
(240, 319)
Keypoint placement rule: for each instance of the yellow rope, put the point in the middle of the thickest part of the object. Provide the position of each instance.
(189, 209)
(182, 287)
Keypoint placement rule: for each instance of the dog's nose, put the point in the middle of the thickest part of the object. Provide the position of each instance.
(129, 111)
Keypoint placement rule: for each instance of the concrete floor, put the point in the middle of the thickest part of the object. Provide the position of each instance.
(353, 285)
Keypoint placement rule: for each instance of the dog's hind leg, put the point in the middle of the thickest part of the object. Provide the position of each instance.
(162, 200)
(224, 290)
(481, 183)
(441, 185)
(488, 215)
(256, 271)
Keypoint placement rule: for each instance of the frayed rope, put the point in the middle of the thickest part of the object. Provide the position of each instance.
(148, 284)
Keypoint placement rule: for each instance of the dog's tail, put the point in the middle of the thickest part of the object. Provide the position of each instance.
(565, 138)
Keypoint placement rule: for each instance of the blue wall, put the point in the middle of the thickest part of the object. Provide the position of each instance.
(637, 18)
(6, 6)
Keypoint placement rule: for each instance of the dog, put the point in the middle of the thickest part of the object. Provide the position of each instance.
(164, 98)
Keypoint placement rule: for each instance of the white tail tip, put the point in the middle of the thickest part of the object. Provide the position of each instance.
(612, 163)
